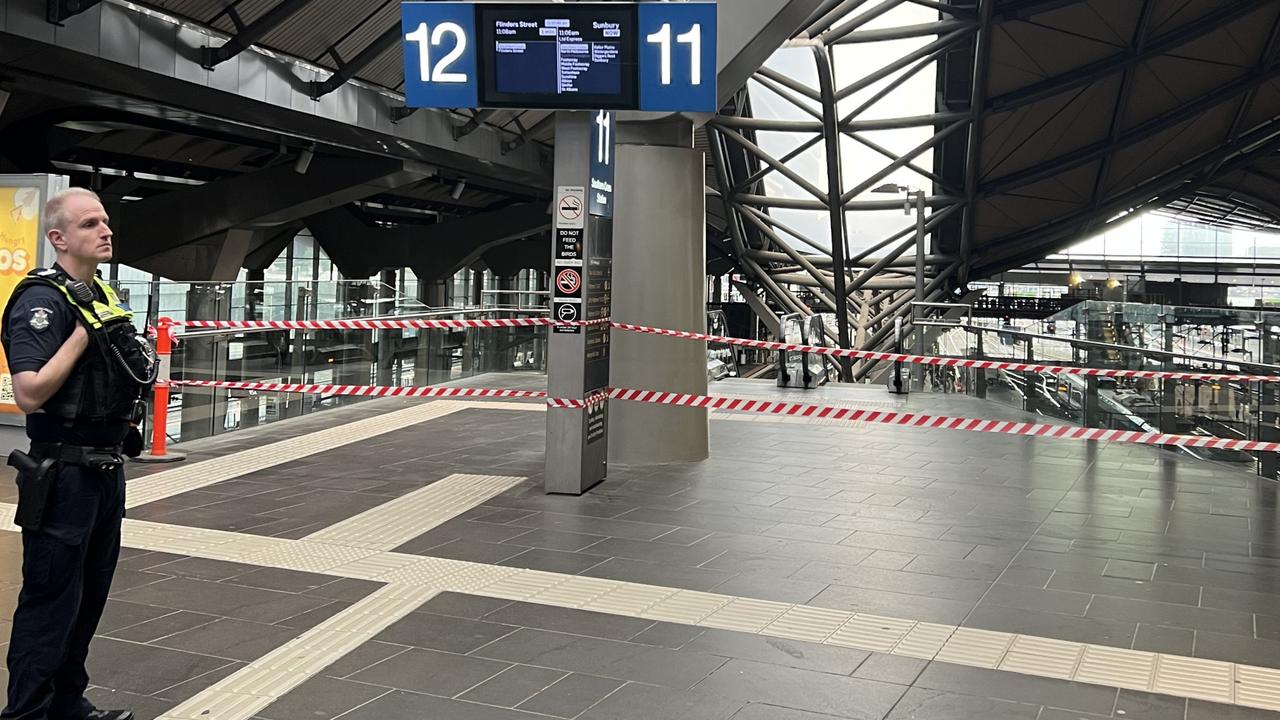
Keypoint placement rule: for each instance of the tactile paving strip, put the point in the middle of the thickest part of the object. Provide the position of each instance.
(269, 678)
(395, 523)
(185, 478)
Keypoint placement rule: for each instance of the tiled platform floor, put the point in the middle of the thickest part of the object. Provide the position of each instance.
(1118, 546)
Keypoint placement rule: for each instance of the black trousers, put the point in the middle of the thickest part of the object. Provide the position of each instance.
(67, 566)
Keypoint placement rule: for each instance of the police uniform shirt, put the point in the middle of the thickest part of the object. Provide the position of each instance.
(41, 321)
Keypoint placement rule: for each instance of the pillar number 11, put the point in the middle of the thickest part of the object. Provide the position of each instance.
(693, 39)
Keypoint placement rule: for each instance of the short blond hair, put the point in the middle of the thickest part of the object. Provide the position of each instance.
(55, 215)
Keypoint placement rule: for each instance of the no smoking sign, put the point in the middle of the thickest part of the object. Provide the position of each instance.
(568, 281)
(571, 206)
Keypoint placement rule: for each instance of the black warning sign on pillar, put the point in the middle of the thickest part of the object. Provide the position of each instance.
(581, 294)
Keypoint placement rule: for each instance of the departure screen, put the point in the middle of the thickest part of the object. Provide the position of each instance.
(552, 55)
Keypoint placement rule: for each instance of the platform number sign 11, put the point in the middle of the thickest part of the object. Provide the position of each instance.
(439, 55)
(678, 56)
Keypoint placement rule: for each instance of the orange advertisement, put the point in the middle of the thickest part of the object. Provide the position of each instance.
(19, 246)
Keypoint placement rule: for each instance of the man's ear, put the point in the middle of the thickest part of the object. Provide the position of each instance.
(57, 240)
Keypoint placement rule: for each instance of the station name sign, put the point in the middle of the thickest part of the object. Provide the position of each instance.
(553, 56)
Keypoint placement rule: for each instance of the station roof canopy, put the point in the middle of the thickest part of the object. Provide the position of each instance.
(1090, 109)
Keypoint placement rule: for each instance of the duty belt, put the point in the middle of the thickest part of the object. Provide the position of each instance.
(101, 459)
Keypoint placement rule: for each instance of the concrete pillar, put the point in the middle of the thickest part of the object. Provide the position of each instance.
(385, 340)
(204, 410)
(659, 273)
(431, 365)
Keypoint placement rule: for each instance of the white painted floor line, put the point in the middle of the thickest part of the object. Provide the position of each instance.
(252, 688)
(395, 523)
(194, 476)
(1220, 682)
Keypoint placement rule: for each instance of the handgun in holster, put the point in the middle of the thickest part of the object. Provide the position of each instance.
(35, 486)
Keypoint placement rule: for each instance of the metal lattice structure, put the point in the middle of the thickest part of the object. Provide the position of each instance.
(1051, 119)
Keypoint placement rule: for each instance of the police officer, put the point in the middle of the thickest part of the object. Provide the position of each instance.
(70, 342)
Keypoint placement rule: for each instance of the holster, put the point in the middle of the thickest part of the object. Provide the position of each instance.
(36, 479)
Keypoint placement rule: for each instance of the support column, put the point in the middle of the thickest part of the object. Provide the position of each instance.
(431, 366)
(385, 340)
(204, 410)
(659, 280)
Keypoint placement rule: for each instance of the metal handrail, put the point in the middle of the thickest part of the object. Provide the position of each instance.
(1098, 345)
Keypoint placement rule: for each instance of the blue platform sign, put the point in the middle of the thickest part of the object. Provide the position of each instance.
(561, 56)
(677, 57)
(439, 55)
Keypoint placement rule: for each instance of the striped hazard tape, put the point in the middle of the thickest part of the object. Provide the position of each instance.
(950, 362)
(936, 422)
(939, 422)
(361, 390)
(399, 324)
(763, 407)
(1018, 367)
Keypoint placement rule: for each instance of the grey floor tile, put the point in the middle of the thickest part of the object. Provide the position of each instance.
(668, 635)
(144, 669)
(894, 669)
(556, 540)
(440, 632)
(762, 711)
(919, 703)
(1233, 648)
(953, 568)
(118, 613)
(1098, 631)
(1018, 688)
(679, 669)
(231, 601)
(202, 568)
(891, 604)
(454, 604)
(568, 620)
(1201, 710)
(475, 551)
(756, 564)
(365, 656)
(173, 622)
(769, 587)
(803, 689)
(1146, 706)
(283, 580)
(400, 704)
(571, 695)
(658, 574)
(1130, 570)
(428, 671)
(908, 583)
(888, 560)
(645, 702)
(1133, 589)
(1156, 638)
(513, 686)
(312, 618)
(319, 698)
(778, 651)
(143, 707)
(1192, 618)
(568, 563)
(231, 639)
(1050, 601)
(348, 589)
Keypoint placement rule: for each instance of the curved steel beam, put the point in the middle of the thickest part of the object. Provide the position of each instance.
(1099, 69)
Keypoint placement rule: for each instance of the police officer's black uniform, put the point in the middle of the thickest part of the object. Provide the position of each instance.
(71, 487)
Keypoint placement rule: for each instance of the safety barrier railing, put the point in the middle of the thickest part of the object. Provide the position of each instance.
(803, 411)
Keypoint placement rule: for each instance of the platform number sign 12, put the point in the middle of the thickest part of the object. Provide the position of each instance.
(678, 56)
(439, 55)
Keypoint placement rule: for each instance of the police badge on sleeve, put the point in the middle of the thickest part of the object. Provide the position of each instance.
(39, 319)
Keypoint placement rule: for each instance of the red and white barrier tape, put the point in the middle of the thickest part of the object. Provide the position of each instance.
(405, 324)
(886, 417)
(361, 390)
(950, 362)
(765, 407)
(1020, 367)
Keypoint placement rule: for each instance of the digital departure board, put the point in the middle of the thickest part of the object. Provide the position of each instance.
(576, 55)
(588, 56)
